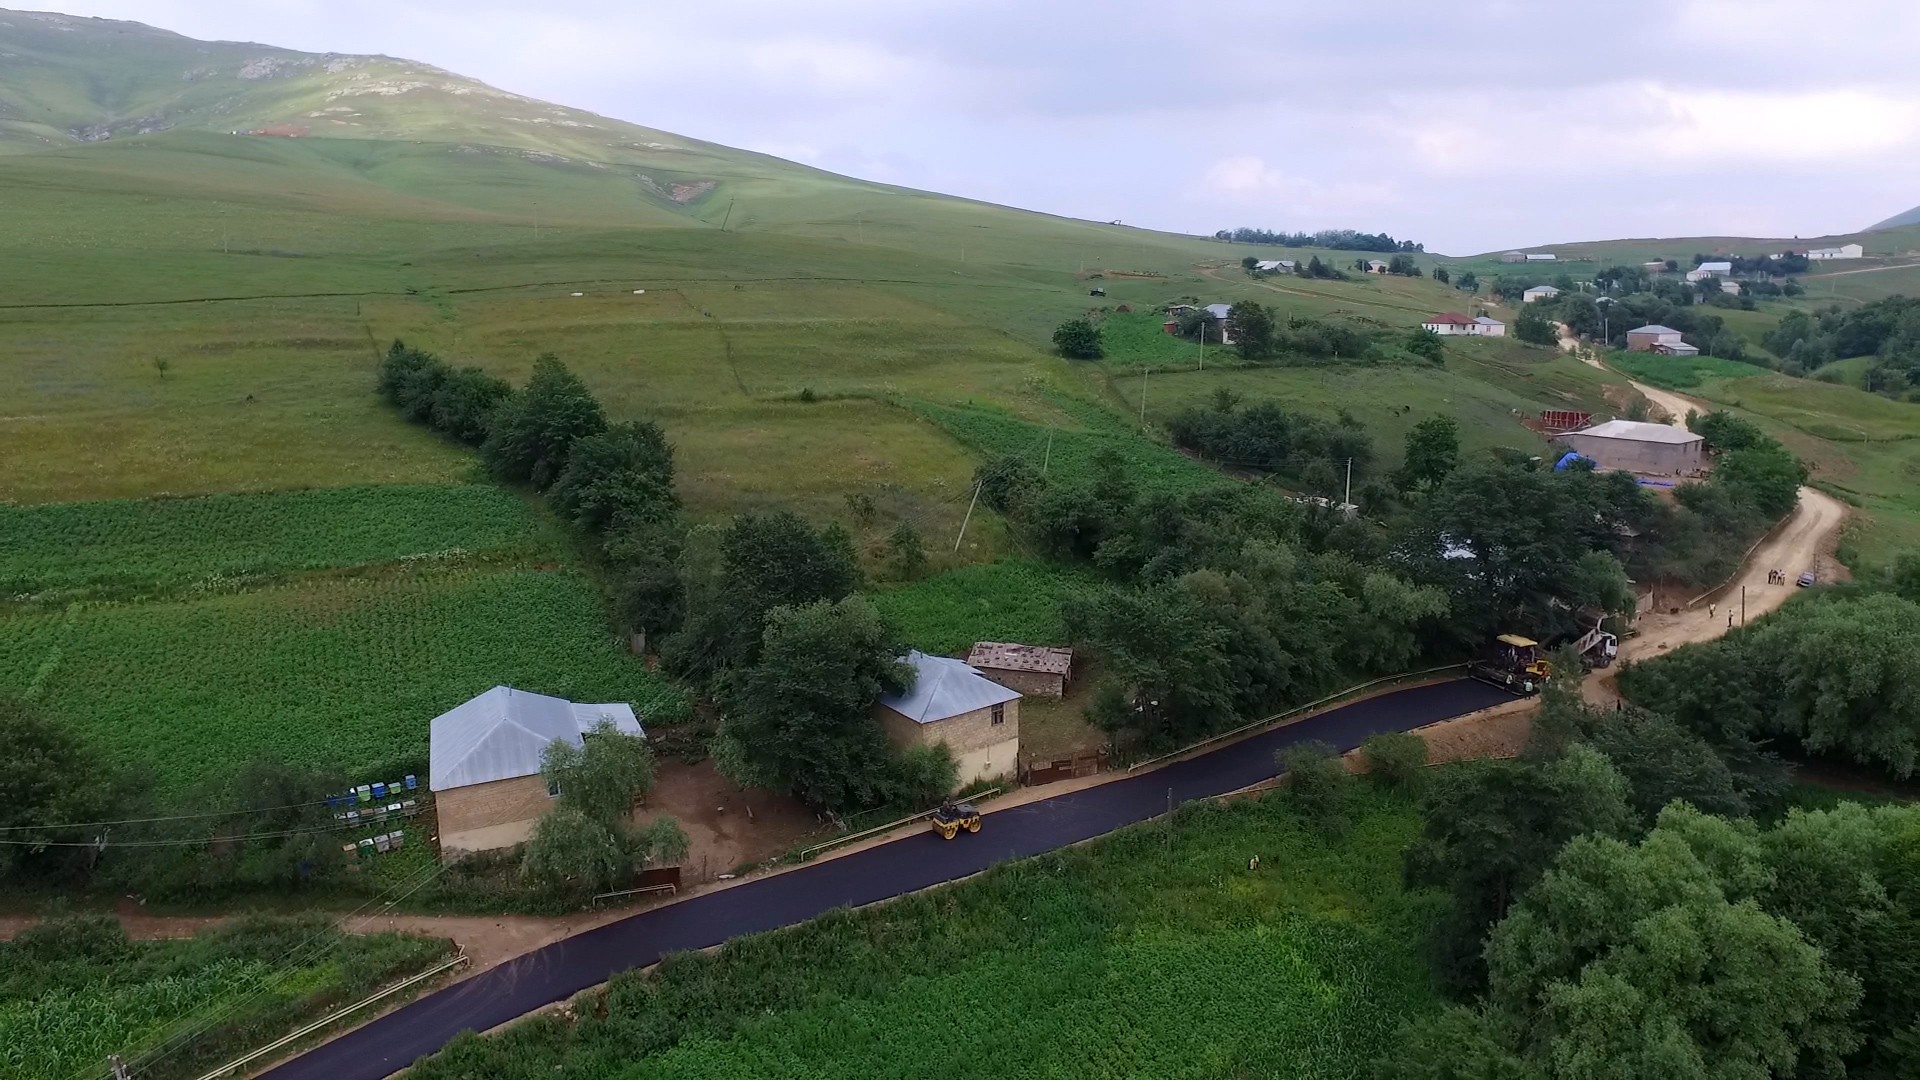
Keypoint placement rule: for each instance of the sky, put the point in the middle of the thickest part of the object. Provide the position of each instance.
(1466, 127)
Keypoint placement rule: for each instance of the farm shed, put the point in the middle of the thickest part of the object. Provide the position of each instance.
(953, 704)
(1844, 251)
(484, 763)
(1645, 338)
(1629, 446)
(1709, 269)
(1034, 670)
(1539, 292)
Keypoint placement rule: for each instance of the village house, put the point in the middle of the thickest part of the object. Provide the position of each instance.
(1513, 256)
(1543, 256)
(1454, 324)
(484, 763)
(1654, 266)
(1644, 338)
(1539, 292)
(1485, 327)
(951, 704)
(1034, 670)
(1274, 266)
(1629, 446)
(1731, 288)
(1375, 266)
(1844, 251)
(1221, 330)
(1709, 269)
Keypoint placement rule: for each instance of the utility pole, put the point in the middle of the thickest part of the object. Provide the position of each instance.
(727, 217)
(963, 521)
(1143, 397)
(1047, 458)
(1743, 605)
(1348, 501)
(117, 1068)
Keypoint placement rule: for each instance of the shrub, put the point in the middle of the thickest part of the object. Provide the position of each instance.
(1318, 783)
(1078, 339)
(1397, 759)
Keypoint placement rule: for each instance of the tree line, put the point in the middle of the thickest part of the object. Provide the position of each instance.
(1336, 239)
(1887, 330)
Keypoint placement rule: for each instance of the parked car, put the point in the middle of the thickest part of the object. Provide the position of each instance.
(1808, 578)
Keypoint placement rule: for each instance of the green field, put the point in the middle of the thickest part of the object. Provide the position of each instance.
(331, 673)
(72, 993)
(1680, 372)
(218, 540)
(1012, 600)
(1142, 954)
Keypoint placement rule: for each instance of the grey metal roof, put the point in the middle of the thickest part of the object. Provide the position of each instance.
(945, 688)
(1635, 431)
(1653, 328)
(502, 734)
(1219, 311)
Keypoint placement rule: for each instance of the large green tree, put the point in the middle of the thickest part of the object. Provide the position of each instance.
(1432, 451)
(800, 718)
(764, 561)
(1251, 325)
(602, 776)
(1078, 339)
(48, 779)
(533, 432)
(620, 477)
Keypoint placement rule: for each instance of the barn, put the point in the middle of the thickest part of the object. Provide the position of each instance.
(1630, 446)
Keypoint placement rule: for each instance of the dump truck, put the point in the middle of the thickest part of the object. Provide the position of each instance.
(1513, 662)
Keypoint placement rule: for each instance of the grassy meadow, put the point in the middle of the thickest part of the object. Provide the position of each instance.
(1154, 952)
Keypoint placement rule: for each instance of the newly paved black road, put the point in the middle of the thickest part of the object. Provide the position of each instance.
(914, 862)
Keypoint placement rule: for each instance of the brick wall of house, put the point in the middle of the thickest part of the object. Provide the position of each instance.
(500, 802)
(1030, 683)
(982, 747)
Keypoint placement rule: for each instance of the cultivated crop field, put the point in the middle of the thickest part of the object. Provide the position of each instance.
(72, 994)
(161, 543)
(332, 673)
(1012, 600)
(1142, 954)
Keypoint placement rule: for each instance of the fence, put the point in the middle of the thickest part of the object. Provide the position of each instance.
(1065, 768)
(1277, 718)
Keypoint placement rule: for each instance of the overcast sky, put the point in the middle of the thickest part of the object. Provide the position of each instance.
(1467, 126)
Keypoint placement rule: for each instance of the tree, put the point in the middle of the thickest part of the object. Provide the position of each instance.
(1318, 784)
(1534, 328)
(534, 431)
(572, 851)
(462, 405)
(1169, 675)
(652, 596)
(1493, 827)
(602, 776)
(800, 718)
(1007, 482)
(1469, 282)
(1442, 275)
(1251, 326)
(1397, 759)
(1250, 262)
(905, 552)
(766, 561)
(1433, 451)
(48, 777)
(1404, 266)
(620, 477)
(1078, 339)
(162, 365)
(1427, 345)
(1767, 477)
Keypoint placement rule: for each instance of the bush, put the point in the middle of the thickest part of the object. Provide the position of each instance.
(1318, 784)
(534, 432)
(1078, 339)
(1397, 759)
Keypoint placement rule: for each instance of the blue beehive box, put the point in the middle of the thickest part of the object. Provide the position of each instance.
(412, 781)
(379, 791)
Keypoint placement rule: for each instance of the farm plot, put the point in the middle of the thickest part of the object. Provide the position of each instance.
(161, 543)
(332, 673)
(1155, 952)
(1087, 429)
(1014, 600)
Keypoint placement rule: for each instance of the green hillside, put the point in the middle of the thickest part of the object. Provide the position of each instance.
(1911, 217)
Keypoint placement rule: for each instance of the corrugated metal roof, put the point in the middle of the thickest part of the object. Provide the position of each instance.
(1219, 311)
(1638, 432)
(1006, 656)
(944, 688)
(1653, 328)
(502, 734)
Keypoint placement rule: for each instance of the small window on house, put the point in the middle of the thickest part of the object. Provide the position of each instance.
(1000, 713)
(553, 789)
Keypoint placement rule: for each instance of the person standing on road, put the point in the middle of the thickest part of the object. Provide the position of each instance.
(1712, 609)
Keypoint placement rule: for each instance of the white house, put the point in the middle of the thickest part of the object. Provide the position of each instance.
(1375, 266)
(1486, 327)
(1539, 292)
(1844, 251)
(1543, 256)
(1730, 287)
(1513, 256)
(1709, 269)
(1454, 324)
(1274, 266)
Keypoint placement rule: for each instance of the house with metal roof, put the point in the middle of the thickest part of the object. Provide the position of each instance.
(484, 761)
(1631, 446)
(955, 705)
(1539, 292)
(1709, 269)
(1034, 670)
(1646, 338)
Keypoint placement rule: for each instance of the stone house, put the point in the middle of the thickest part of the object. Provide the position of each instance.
(484, 763)
(951, 703)
(1034, 670)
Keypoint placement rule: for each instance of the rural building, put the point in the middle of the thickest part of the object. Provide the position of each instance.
(951, 703)
(1219, 314)
(1375, 266)
(1513, 257)
(1449, 324)
(1485, 327)
(1654, 266)
(1709, 269)
(1034, 670)
(1628, 446)
(484, 763)
(1539, 292)
(1674, 348)
(1544, 256)
(1274, 266)
(1732, 288)
(1844, 251)
(1644, 338)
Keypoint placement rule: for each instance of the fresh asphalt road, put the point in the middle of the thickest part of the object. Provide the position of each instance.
(915, 862)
